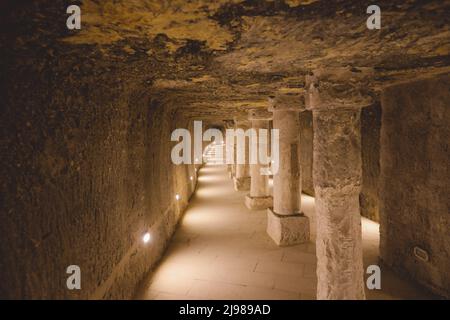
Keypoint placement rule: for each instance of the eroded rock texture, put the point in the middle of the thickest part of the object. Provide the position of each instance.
(337, 178)
(82, 180)
(306, 152)
(370, 152)
(87, 115)
(414, 206)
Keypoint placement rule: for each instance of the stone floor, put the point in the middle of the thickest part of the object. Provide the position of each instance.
(221, 251)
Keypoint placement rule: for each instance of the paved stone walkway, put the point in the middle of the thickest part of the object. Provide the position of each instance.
(221, 251)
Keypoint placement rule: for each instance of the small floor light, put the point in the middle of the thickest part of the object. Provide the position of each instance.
(177, 196)
(146, 237)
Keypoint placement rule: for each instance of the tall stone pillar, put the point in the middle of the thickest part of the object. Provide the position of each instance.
(242, 170)
(336, 101)
(231, 168)
(286, 224)
(259, 197)
(233, 171)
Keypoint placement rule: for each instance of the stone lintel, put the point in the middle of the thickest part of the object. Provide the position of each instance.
(287, 230)
(258, 203)
(287, 102)
(338, 88)
(259, 114)
(242, 123)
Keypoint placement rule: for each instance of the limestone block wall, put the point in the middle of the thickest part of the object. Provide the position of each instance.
(415, 181)
(84, 174)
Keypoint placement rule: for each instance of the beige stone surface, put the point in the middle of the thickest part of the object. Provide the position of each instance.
(287, 230)
(258, 203)
(222, 251)
(87, 115)
(337, 183)
(287, 179)
(415, 181)
(258, 197)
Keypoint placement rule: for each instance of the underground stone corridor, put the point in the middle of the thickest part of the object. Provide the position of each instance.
(225, 150)
(221, 251)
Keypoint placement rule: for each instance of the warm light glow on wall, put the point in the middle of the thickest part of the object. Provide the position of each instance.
(146, 237)
(192, 178)
(370, 227)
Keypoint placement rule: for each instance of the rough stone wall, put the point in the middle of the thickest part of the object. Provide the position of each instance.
(415, 180)
(370, 148)
(306, 151)
(84, 173)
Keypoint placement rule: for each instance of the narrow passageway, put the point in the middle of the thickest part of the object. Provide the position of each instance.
(221, 250)
(112, 178)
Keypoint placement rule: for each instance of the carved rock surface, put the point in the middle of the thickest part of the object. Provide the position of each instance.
(287, 230)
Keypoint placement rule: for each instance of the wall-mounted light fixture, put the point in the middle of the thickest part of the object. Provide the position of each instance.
(177, 196)
(192, 178)
(146, 237)
(421, 254)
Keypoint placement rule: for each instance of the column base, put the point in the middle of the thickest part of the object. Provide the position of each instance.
(287, 230)
(258, 203)
(241, 184)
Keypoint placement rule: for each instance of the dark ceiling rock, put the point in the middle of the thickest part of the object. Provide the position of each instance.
(218, 59)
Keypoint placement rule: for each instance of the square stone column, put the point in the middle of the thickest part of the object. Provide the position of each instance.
(259, 197)
(336, 101)
(286, 224)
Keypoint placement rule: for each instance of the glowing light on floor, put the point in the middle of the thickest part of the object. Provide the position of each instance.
(209, 192)
(207, 178)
